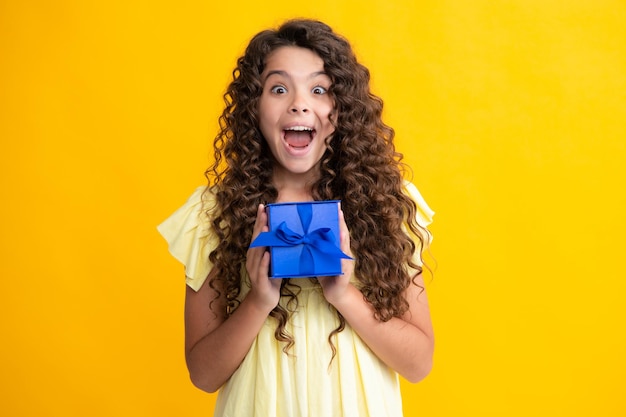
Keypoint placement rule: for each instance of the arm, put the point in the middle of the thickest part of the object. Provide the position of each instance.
(406, 343)
(215, 345)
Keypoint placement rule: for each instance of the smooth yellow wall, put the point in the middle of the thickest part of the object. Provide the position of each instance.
(511, 113)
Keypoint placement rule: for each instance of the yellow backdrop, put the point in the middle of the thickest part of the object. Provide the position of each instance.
(511, 113)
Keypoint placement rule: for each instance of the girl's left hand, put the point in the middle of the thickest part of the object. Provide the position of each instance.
(334, 287)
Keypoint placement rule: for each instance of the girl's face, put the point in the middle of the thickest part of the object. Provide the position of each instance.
(295, 110)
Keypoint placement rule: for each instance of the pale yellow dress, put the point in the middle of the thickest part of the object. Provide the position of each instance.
(304, 382)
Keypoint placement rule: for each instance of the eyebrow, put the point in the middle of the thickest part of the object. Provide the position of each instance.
(286, 75)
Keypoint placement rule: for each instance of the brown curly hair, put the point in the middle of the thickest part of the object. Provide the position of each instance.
(360, 167)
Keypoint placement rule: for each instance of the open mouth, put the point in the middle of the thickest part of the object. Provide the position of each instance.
(298, 137)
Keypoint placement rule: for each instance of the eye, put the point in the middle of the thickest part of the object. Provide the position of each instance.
(278, 89)
(319, 90)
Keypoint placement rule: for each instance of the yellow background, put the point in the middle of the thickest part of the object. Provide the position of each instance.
(511, 113)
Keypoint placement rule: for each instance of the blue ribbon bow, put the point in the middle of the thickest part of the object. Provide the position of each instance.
(317, 244)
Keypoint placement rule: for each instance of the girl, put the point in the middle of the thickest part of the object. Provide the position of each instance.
(300, 124)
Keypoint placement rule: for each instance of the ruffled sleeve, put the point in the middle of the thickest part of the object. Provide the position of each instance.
(424, 217)
(189, 238)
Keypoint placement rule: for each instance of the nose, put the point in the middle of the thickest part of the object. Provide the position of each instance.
(299, 104)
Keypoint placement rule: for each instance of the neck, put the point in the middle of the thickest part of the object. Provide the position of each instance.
(294, 187)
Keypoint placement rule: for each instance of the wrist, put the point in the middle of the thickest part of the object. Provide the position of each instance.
(260, 304)
(342, 300)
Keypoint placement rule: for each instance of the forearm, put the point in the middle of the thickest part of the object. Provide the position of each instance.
(214, 358)
(402, 345)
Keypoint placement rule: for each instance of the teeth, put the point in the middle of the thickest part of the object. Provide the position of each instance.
(300, 128)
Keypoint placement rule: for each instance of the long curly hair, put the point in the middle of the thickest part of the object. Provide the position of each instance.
(360, 167)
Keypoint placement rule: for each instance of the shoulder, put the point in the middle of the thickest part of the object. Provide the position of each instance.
(189, 236)
(424, 212)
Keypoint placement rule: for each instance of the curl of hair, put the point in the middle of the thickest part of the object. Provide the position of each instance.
(360, 167)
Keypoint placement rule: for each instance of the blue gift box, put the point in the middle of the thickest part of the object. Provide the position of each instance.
(303, 239)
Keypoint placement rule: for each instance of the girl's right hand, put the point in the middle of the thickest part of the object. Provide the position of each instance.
(265, 291)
